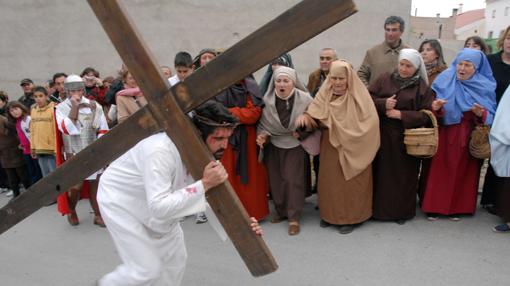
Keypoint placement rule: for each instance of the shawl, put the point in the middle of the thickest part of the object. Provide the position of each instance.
(282, 137)
(461, 95)
(500, 137)
(236, 96)
(352, 120)
(414, 57)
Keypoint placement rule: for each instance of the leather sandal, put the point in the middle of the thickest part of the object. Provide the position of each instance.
(294, 228)
(98, 220)
(72, 218)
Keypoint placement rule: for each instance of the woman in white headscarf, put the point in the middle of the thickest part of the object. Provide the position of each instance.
(350, 140)
(398, 98)
(285, 99)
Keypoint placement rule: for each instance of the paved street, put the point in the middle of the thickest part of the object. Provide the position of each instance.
(45, 250)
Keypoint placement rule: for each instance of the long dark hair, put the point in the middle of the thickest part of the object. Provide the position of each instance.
(436, 45)
(24, 110)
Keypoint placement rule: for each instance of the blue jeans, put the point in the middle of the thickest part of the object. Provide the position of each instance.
(47, 163)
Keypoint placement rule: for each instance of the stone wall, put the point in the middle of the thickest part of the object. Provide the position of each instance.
(41, 37)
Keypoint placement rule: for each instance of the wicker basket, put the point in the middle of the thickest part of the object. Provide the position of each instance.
(422, 142)
(479, 146)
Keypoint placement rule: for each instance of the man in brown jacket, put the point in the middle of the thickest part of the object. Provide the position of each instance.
(317, 77)
(315, 80)
(383, 58)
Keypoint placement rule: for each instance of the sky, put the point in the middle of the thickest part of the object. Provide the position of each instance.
(429, 8)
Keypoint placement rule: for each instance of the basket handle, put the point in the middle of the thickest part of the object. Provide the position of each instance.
(432, 117)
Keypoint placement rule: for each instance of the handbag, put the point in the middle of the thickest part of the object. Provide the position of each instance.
(422, 142)
(479, 146)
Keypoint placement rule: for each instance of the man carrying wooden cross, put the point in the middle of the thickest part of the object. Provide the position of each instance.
(143, 194)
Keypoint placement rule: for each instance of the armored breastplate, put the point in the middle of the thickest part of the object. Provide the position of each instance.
(75, 143)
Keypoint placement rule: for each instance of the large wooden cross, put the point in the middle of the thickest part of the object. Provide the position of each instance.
(167, 107)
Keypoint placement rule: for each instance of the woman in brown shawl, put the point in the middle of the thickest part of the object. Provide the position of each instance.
(285, 100)
(398, 98)
(350, 139)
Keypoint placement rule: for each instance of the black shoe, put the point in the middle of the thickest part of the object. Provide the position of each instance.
(400, 221)
(324, 223)
(346, 229)
(491, 209)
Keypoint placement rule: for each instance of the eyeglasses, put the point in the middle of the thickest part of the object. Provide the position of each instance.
(325, 58)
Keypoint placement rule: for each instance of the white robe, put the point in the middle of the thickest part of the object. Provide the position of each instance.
(141, 196)
(500, 137)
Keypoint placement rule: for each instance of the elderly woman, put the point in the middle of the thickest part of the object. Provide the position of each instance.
(465, 98)
(432, 55)
(350, 140)
(398, 98)
(285, 99)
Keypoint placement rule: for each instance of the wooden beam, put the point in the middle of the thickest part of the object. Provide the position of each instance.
(179, 128)
(287, 31)
(94, 157)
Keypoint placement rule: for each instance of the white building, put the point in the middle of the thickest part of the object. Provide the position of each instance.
(497, 18)
(470, 23)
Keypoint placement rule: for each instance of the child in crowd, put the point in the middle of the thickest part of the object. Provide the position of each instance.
(17, 112)
(42, 131)
(183, 67)
(11, 156)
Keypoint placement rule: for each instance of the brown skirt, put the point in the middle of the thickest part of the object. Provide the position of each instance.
(287, 181)
(341, 201)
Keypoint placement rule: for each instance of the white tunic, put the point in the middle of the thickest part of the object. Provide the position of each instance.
(141, 196)
(67, 127)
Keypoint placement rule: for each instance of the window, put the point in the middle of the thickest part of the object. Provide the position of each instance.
(493, 13)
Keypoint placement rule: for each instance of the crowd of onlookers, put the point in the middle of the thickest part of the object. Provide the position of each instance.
(341, 135)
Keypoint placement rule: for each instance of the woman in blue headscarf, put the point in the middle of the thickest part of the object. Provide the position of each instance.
(465, 98)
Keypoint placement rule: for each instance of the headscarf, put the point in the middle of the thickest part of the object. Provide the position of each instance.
(461, 95)
(500, 137)
(352, 120)
(196, 60)
(283, 60)
(281, 136)
(414, 57)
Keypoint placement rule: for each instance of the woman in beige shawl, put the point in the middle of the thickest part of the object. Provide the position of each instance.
(285, 100)
(350, 140)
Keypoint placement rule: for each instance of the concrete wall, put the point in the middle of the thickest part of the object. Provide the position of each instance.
(41, 37)
(428, 27)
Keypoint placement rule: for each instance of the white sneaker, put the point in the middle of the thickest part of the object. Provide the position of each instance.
(200, 218)
(9, 194)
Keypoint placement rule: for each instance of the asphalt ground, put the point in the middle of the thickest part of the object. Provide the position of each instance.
(45, 250)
